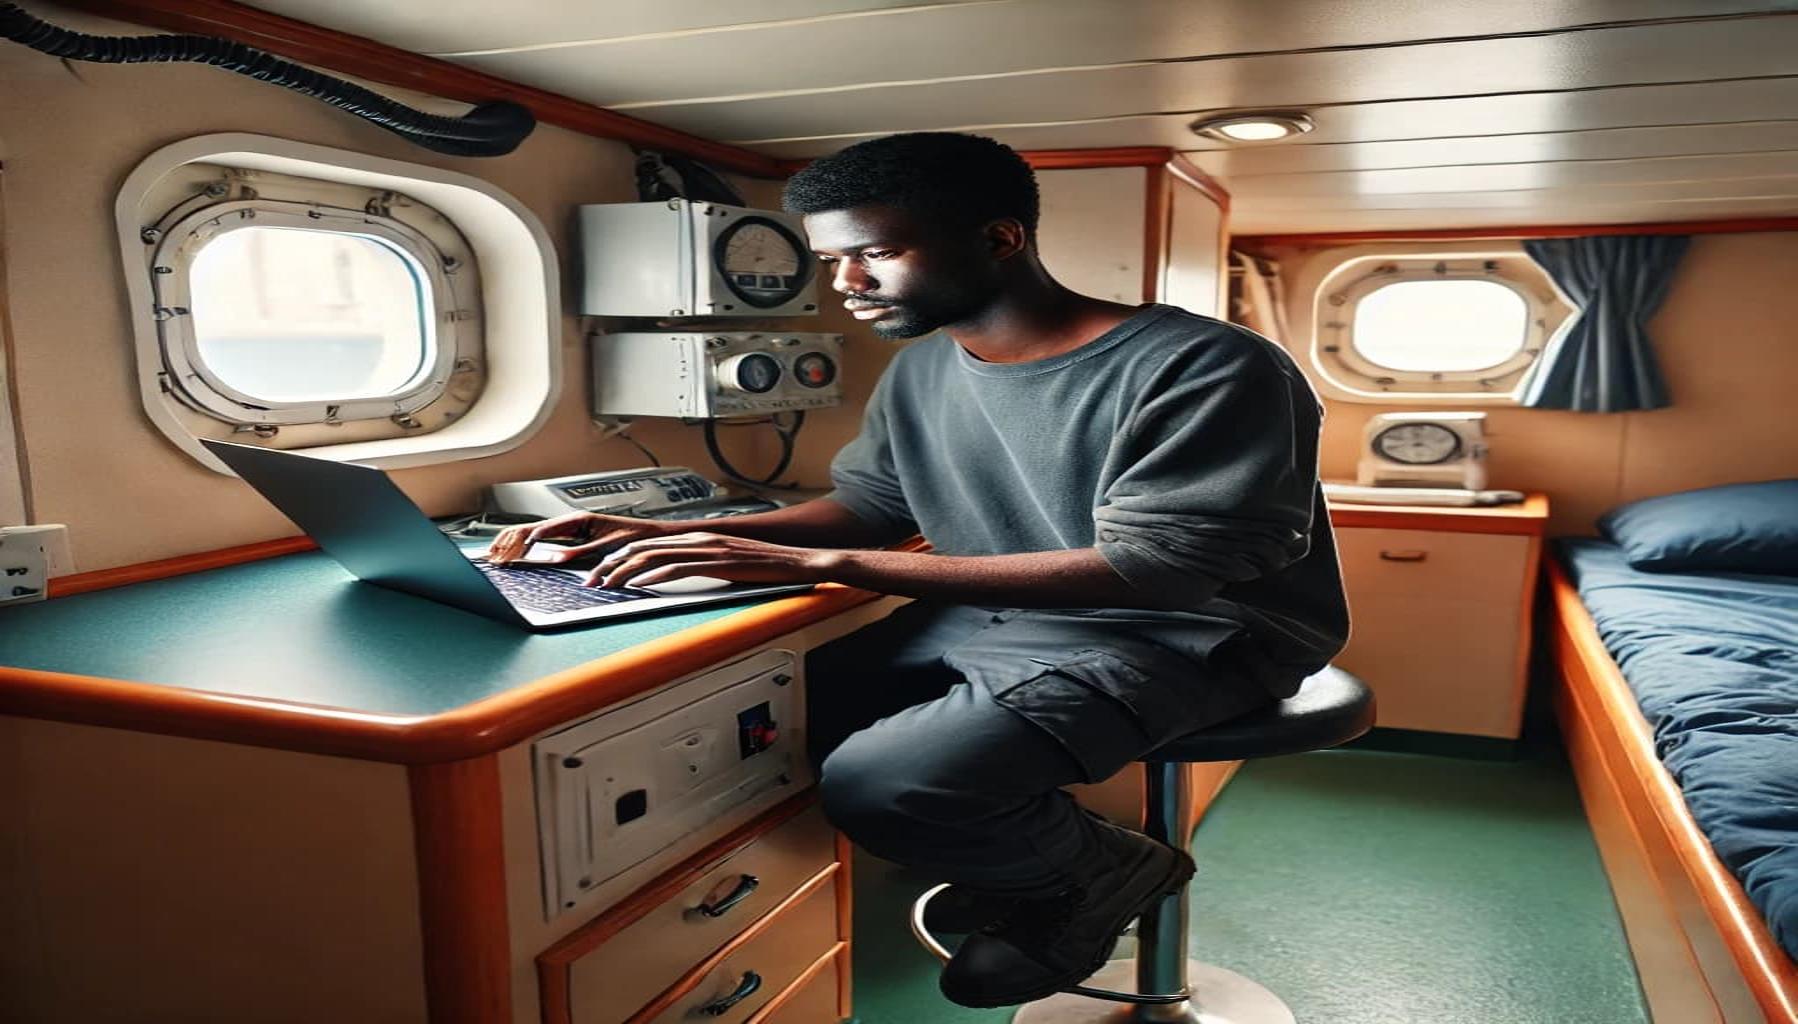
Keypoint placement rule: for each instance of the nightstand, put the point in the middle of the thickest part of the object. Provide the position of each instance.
(1440, 606)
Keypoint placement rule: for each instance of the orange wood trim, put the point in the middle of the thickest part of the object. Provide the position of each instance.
(1529, 517)
(685, 985)
(462, 890)
(1692, 227)
(1590, 676)
(1598, 783)
(1157, 233)
(799, 984)
(9, 363)
(553, 962)
(82, 582)
(479, 728)
(845, 923)
(1077, 159)
(377, 62)
(1064, 159)
(1189, 172)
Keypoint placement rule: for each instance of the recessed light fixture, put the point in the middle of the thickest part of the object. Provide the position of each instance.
(1262, 127)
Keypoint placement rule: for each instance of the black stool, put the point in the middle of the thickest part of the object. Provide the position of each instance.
(1330, 708)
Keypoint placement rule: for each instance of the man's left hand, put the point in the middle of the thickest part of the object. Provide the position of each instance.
(739, 559)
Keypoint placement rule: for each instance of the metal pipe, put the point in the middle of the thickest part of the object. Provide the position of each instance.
(1161, 931)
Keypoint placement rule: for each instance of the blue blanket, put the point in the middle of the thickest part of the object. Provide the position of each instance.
(1713, 660)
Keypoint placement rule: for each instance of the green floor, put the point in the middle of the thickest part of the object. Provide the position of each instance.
(1365, 888)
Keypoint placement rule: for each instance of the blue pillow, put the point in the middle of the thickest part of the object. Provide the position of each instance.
(1733, 528)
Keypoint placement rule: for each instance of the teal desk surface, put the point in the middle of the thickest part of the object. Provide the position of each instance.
(299, 629)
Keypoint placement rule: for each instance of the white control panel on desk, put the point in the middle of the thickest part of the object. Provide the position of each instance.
(617, 789)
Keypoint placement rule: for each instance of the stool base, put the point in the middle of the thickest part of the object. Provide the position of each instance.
(1224, 997)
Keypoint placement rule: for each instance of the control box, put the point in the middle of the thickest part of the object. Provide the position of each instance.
(619, 788)
(680, 258)
(706, 376)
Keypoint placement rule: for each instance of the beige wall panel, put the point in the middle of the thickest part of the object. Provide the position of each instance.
(1727, 340)
(1193, 272)
(96, 462)
(185, 880)
(1091, 236)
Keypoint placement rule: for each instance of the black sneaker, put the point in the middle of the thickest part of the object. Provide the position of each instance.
(1048, 943)
(959, 909)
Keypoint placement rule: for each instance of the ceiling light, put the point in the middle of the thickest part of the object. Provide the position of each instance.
(1253, 127)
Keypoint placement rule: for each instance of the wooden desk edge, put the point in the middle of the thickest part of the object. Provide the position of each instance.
(482, 727)
(1528, 517)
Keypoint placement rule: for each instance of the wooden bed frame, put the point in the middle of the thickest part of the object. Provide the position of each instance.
(1702, 951)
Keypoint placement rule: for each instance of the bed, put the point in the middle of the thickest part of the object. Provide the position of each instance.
(1678, 699)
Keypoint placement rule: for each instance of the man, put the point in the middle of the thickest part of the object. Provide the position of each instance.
(1130, 544)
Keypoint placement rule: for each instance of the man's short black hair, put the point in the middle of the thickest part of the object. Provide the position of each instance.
(965, 180)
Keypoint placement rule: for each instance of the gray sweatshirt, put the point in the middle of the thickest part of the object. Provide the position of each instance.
(1182, 447)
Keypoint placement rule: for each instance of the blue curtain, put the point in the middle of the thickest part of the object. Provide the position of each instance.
(1602, 359)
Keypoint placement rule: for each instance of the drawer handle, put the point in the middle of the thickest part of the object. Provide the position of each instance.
(745, 886)
(1404, 556)
(745, 988)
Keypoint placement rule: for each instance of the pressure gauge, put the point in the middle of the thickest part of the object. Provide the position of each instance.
(754, 372)
(815, 370)
(761, 261)
(1418, 444)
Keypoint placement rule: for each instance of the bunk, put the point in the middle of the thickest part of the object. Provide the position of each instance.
(1680, 766)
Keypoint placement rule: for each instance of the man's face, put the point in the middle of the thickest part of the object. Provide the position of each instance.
(903, 277)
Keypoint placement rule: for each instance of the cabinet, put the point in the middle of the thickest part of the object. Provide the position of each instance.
(748, 928)
(1440, 611)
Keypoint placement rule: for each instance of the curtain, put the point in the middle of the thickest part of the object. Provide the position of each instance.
(1257, 299)
(1601, 359)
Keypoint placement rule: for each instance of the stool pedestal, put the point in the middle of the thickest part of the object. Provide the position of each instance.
(1219, 996)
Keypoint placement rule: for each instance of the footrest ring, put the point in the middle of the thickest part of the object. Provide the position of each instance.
(936, 948)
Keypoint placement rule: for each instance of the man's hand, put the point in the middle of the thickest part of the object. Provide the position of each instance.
(739, 559)
(597, 534)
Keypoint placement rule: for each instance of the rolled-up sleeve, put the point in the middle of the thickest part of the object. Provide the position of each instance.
(1218, 486)
(863, 472)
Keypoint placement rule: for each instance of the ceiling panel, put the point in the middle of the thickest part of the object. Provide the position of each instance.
(1580, 60)
(1558, 147)
(1460, 117)
(1722, 170)
(921, 44)
(435, 26)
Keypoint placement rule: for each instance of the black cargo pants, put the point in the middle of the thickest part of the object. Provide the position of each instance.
(943, 733)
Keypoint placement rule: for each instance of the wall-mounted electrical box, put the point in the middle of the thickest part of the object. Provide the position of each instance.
(704, 376)
(619, 788)
(680, 258)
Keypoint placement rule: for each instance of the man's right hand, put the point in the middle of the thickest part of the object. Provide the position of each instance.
(596, 534)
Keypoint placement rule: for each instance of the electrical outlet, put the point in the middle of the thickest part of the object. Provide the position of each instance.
(29, 556)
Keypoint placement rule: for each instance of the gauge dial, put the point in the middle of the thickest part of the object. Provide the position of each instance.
(1418, 444)
(762, 262)
(815, 370)
(754, 372)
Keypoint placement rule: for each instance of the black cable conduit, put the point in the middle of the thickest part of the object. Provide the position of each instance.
(490, 129)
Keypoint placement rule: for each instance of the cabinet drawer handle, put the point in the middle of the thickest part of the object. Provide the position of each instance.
(745, 886)
(745, 988)
(1412, 555)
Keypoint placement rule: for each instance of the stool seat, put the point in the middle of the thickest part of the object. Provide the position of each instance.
(1330, 707)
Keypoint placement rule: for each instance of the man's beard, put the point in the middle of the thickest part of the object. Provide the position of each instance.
(914, 320)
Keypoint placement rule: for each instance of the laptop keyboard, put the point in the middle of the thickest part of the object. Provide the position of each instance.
(552, 590)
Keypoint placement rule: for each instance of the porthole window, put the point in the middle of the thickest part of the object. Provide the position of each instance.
(277, 313)
(1417, 325)
(337, 303)
(298, 315)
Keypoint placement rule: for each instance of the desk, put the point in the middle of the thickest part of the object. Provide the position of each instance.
(268, 792)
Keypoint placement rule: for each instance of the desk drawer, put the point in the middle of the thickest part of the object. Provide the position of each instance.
(812, 999)
(625, 957)
(736, 982)
(1437, 626)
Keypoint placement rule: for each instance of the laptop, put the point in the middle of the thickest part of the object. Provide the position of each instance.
(361, 519)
